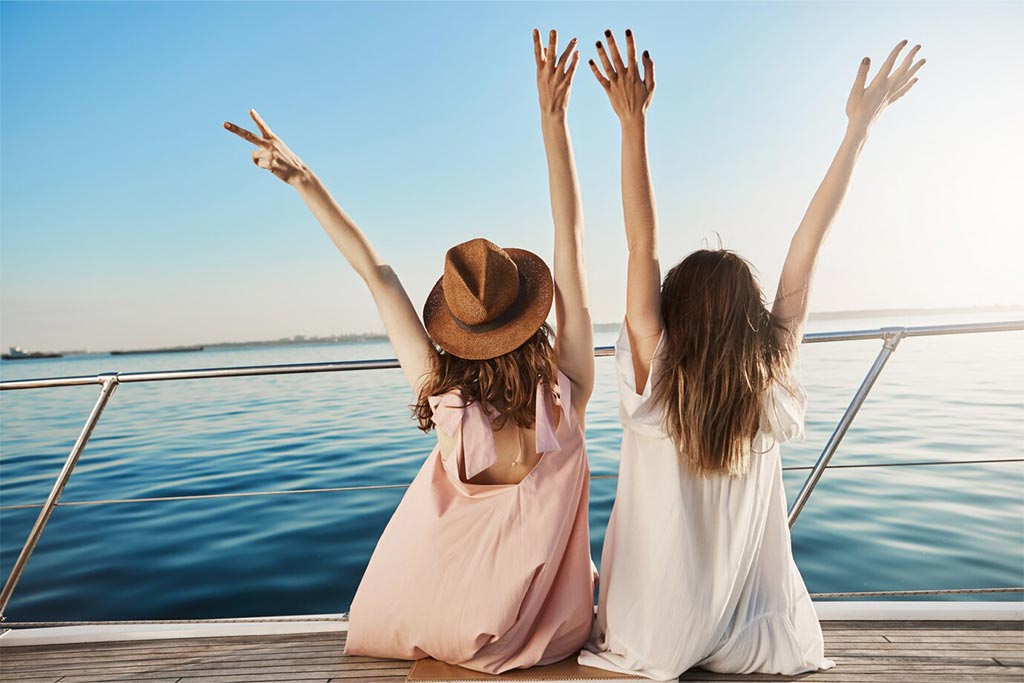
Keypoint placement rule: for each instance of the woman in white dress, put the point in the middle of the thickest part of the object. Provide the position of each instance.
(697, 568)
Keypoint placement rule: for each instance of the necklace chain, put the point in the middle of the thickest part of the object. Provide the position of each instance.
(517, 461)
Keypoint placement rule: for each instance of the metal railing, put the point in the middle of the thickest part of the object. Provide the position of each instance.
(109, 381)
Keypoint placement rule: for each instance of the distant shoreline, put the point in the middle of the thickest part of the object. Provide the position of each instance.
(598, 327)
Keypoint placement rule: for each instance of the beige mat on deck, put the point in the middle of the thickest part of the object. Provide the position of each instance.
(565, 670)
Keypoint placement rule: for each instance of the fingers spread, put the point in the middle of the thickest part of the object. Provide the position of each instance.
(264, 128)
(243, 133)
(616, 57)
(608, 68)
(565, 55)
(907, 61)
(605, 83)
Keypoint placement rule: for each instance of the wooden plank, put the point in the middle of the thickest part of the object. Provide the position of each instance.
(105, 679)
(1015, 638)
(231, 679)
(127, 657)
(247, 678)
(93, 658)
(936, 634)
(929, 644)
(201, 646)
(913, 653)
(936, 667)
(1009, 661)
(858, 638)
(250, 669)
(932, 632)
(829, 677)
(349, 676)
(204, 663)
(855, 661)
(927, 649)
(838, 677)
(996, 624)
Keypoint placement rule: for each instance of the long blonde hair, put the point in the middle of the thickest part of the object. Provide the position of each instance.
(507, 382)
(721, 353)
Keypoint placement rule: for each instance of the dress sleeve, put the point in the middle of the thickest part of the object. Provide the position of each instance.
(785, 408)
(635, 408)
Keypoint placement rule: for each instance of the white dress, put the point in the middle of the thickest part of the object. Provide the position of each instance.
(700, 572)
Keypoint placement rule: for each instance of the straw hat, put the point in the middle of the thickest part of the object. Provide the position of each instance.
(489, 301)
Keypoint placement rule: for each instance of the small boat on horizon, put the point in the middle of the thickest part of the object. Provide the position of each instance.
(18, 353)
(168, 349)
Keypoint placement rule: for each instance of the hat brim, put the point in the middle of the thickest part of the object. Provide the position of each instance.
(538, 294)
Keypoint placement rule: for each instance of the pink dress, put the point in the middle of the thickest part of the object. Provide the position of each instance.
(489, 577)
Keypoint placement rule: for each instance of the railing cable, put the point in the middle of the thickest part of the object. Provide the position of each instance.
(375, 487)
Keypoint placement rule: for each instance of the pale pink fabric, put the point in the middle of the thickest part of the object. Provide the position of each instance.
(489, 577)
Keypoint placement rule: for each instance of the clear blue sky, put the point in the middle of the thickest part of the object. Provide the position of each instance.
(131, 218)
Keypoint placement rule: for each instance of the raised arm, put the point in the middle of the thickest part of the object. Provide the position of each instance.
(408, 337)
(630, 95)
(862, 107)
(574, 343)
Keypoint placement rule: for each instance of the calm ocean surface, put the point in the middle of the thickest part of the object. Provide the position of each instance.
(940, 526)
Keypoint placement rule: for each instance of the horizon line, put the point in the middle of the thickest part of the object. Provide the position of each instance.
(375, 336)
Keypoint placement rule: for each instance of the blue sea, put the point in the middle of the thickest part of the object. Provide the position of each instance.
(940, 399)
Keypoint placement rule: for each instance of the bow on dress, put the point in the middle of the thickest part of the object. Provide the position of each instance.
(472, 425)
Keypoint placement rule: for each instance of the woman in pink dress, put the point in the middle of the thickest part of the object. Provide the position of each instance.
(486, 562)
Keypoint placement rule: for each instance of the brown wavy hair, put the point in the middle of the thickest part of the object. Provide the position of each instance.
(721, 353)
(507, 382)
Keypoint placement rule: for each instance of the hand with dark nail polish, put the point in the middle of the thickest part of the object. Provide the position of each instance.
(630, 94)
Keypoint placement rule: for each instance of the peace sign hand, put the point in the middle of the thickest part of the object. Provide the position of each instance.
(865, 104)
(271, 153)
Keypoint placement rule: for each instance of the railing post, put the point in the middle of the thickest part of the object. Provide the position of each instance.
(108, 384)
(893, 337)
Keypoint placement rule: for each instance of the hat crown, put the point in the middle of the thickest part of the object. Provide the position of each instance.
(480, 281)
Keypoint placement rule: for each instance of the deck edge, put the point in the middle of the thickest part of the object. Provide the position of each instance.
(827, 611)
(50, 635)
(919, 610)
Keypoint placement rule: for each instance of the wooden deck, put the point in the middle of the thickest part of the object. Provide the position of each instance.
(864, 651)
